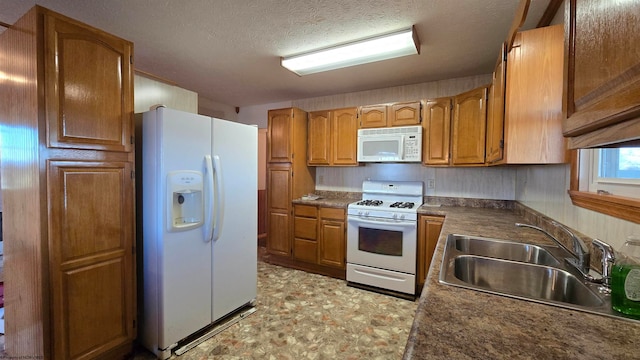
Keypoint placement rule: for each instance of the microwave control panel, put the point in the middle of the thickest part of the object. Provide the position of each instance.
(413, 147)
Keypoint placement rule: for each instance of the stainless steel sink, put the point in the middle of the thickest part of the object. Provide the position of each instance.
(507, 250)
(523, 271)
(524, 280)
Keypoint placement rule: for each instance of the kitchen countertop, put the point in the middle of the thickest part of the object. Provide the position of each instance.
(457, 323)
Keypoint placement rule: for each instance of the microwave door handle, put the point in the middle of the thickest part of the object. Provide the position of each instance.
(402, 147)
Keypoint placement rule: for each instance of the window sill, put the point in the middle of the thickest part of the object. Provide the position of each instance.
(617, 206)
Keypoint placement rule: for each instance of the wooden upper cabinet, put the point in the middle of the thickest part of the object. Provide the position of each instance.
(533, 104)
(319, 135)
(436, 132)
(404, 114)
(279, 135)
(333, 137)
(287, 136)
(373, 116)
(602, 72)
(469, 127)
(495, 110)
(344, 136)
(89, 88)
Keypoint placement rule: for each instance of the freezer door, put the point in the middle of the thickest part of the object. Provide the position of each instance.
(235, 250)
(177, 259)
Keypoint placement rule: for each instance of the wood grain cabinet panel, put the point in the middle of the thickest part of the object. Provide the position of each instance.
(288, 178)
(333, 137)
(495, 110)
(533, 104)
(602, 72)
(373, 116)
(91, 242)
(89, 88)
(278, 209)
(344, 136)
(69, 193)
(469, 127)
(429, 228)
(280, 135)
(436, 132)
(332, 238)
(319, 151)
(404, 114)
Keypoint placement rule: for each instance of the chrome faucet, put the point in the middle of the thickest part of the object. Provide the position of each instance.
(608, 258)
(580, 250)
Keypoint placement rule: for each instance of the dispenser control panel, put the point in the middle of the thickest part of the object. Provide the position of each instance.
(186, 200)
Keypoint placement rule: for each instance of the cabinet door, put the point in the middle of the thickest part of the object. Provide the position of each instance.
(91, 257)
(319, 142)
(373, 116)
(344, 134)
(469, 127)
(89, 88)
(404, 114)
(279, 210)
(602, 71)
(533, 111)
(495, 111)
(332, 238)
(428, 233)
(437, 132)
(279, 135)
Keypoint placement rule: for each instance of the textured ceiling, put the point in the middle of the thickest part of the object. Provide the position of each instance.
(229, 51)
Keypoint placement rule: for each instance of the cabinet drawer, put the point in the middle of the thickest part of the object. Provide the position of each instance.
(305, 228)
(305, 210)
(332, 213)
(305, 250)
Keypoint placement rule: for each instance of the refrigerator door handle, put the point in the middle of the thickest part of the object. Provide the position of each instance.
(219, 198)
(208, 225)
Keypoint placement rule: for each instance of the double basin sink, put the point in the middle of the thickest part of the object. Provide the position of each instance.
(524, 271)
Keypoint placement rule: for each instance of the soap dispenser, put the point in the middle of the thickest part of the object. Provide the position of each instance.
(625, 279)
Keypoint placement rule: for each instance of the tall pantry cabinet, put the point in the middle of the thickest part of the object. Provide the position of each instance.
(288, 176)
(67, 169)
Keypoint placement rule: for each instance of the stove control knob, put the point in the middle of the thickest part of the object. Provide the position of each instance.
(402, 217)
(395, 216)
(366, 213)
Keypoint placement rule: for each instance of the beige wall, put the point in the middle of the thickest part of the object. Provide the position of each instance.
(544, 188)
(148, 92)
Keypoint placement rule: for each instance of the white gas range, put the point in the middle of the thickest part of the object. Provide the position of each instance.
(382, 235)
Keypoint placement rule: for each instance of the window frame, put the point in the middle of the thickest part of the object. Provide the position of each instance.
(617, 206)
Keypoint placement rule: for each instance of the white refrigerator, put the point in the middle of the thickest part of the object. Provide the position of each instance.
(199, 199)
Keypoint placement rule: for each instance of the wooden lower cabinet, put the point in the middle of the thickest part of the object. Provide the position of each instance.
(305, 233)
(332, 238)
(429, 228)
(91, 241)
(319, 240)
(278, 209)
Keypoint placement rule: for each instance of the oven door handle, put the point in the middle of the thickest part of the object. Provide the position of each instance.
(358, 220)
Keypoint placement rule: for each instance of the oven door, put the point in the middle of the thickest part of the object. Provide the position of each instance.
(382, 243)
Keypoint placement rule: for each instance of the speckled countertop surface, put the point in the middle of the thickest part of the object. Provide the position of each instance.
(456, 323)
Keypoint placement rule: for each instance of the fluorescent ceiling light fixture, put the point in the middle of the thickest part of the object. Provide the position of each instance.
(381, 47)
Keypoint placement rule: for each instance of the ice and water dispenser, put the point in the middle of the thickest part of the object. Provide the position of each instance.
(186, 200)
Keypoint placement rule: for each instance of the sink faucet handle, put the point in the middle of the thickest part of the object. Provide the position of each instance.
(608, 257)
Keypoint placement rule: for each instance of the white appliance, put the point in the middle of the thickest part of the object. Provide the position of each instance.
(199, 190)
(392, 144)
(382, 235)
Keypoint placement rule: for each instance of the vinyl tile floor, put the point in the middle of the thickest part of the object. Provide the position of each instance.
(308, 316)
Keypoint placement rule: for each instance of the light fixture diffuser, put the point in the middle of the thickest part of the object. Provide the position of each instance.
(381, 47)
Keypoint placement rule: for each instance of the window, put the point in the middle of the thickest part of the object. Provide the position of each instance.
(607, 181)
(613, 171)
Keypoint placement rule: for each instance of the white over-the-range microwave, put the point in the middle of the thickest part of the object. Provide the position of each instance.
(390, 144)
